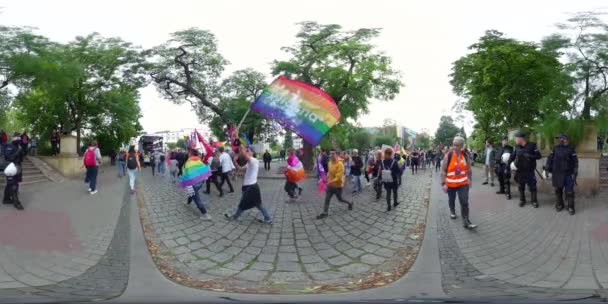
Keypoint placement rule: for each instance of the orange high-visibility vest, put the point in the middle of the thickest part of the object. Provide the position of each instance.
(452, 180)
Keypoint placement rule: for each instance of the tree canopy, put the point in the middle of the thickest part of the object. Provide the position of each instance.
(507, 83)
(345, 64)
(90, 84)
(446, 131)
(583, 43)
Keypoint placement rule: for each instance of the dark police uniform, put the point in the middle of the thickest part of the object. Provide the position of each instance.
(503, 171)
(13, 153)
(563, 166)
(525, 160)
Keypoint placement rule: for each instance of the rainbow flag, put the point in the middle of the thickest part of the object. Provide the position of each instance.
(294, 170)
(195, 171)
(300, 107)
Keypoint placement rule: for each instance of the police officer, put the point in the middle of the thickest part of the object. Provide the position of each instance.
(503, 171)
(13, 153)
(524, 158)
(563, 166)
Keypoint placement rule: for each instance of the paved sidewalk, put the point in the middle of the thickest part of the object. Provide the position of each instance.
(58, 246)
(523, 252)
(296, 254)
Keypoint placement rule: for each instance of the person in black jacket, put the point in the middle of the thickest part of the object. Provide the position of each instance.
(503, 171)
(563, 166)
(389, 164)
(525, 156)
(267, 159)
(13, 153)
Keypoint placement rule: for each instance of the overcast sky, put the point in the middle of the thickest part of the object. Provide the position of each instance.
(423, 38)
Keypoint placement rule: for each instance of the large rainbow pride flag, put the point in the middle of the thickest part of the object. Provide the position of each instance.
(300, 107)
(195, 171)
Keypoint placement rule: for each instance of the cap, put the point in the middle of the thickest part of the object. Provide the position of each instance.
(520, 134)
(505, 138)
(562, 135)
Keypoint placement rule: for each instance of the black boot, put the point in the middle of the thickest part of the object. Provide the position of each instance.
(522, 197)
(467, 223)
(508, 191)
(559, 200)
(17, 203)
(570, 199)
(502, 189)
(534, 199)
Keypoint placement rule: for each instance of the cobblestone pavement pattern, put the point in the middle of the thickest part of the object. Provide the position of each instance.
(297, 250)
(58, 246)
(523, 252)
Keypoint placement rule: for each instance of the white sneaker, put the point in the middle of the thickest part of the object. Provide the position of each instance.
(93, 192)
(89, 189)
(206, 217)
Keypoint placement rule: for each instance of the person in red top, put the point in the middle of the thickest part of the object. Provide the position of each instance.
(456, 180)
(3, 141)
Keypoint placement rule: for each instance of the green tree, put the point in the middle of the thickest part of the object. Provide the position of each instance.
(383, 140)
(237, 94)
(359, 139)
(446, 131)
(423, 141)
(583, 42)
(89, 84)
(288, 140)
(188, 68)
(508, 83)
(345, 64)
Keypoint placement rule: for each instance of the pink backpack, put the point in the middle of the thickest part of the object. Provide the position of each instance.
(89, 158)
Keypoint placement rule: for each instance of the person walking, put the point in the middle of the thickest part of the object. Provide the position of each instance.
(563, 166)
(122, 163)
(355, 171)
(54, 142)
(161, 163)
(92, 161)
(267, 159)
(282, 154)
(524, 159)
(503, 170)
(456, 180)
(216, 172)
(25, 141)
(335, 183)
(153, 164)
(112, 155)
(415, 158)
(13, 153)
(227, 167)
(376, 175)
(438, 161)
(389, 174)
(34, 146)
(294, 173)
(133, 165)
(489, 164)
(252, 198)
(194, 175)
(401, 165)
(173, 167)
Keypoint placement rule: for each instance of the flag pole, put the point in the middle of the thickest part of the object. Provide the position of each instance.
(243, 119)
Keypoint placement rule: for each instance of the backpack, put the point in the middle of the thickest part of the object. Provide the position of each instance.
(132, 161)
(89, 158)
(387, 174)
(11, 153)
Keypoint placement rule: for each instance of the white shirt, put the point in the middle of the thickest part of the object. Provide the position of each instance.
(251, 174)
(226, 162)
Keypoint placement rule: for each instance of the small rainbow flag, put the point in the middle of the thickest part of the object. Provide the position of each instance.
(195, 171)
(300, 107)
(294, 170)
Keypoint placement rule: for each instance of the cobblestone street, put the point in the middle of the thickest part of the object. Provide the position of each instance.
(297, 252)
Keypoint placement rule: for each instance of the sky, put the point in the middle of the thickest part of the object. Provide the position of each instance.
(422, 37)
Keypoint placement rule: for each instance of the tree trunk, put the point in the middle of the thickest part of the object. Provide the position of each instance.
(307, 159)
(78, 138)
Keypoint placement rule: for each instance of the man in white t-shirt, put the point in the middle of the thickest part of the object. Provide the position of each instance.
(227, 166)
(251, 191)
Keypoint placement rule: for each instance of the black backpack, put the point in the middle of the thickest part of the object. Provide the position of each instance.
(132, 161)
(11, 153)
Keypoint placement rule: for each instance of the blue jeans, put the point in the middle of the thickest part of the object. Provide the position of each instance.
(122, 168)
(92, 177)
(239, 211)
(161, 167)
(198, 199)
(357, 182)
(463, 198)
